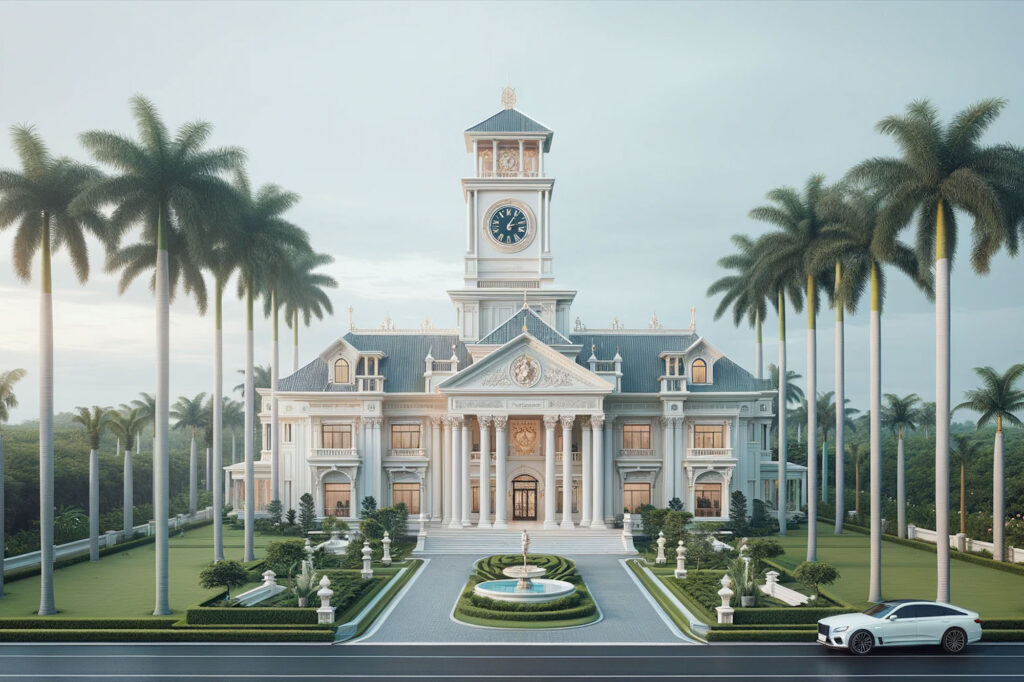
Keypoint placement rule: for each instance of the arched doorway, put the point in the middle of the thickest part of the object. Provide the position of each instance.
(524, 498)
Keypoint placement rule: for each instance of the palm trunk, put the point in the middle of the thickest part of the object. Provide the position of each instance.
(218, 419)
(128, 512)
(856, 491)
(234, 459)
(942, 340)
(46, 603)
(812, 423)
(209, 463)
(193, 475)
(901, 488)
(998, 504)
(840, 409)
(295, 342)
(275, 441)
(161, 451)
(3, 537)
(758, 358)
(250, 479)
(781, 511)
(824, 468)
(963, 497)
(94, 505)
(875, 472)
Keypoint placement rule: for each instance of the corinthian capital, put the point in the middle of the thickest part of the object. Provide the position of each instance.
(567, 420)
(550, 420)
(501, 423)
(436, 421)
(596, 421)
(485, 420)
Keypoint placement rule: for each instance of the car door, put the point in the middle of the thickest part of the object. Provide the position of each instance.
(900, 626)
(933, 622)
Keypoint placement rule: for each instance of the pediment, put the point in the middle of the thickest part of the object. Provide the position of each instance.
(525, 365)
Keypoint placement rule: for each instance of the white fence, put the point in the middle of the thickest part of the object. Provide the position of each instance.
(108, 539)
(962, 543)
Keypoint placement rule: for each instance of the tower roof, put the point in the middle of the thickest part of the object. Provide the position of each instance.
(511, 121)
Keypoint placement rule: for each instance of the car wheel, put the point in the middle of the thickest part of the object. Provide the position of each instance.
(954, 641)
(861, 642)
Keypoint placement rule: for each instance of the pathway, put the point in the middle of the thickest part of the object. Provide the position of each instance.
(423, 614)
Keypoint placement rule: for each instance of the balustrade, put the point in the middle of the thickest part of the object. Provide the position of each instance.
(336, 452)
(638, 452)
(709, 452)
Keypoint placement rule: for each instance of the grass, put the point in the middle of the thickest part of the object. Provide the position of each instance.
(122, 585)
(907, 573)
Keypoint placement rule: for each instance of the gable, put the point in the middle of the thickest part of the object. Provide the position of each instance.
(513, 327)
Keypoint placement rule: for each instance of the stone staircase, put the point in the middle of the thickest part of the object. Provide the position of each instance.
(482, 541)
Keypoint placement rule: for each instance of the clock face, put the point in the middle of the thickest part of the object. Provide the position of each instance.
(508, 225)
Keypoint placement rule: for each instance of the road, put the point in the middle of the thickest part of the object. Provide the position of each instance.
(396, 663)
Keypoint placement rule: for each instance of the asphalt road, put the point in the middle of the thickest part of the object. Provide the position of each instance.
(395, 663)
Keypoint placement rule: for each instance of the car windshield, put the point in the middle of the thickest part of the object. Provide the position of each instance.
(880, 610)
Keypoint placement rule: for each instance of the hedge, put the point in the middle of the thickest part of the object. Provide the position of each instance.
(86, 623)
(1003, 624)
(169, 635)
(252, 615)
(182, 625)
(558, 568)
(717, 635)
(519, 616)
(1002, 635)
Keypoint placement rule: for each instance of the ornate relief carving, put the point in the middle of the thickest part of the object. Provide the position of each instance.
(525, 371)
(583, 403)
(557, 377)
(497, 377)
(524, 437)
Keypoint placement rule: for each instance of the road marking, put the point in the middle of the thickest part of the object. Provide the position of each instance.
(449, 676)
(487, 657)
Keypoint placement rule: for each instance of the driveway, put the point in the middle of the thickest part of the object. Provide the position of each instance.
(424, 613)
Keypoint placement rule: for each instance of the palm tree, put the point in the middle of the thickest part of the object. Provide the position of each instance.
(39, 198)
(852, 237)
(964, 451)
(93, 422)
(998, 397)
(784, 395)
(926, 417)
(899, 414)
(260, 379)
(738, 293)
(266, 236)
(147, 403)
(799, 416)
(305, 295)
(189, 414)
(128, 425)
(172, 187)
(8, 401)
(944, 168)
(794, 394)
(860, 457)
(826, 419)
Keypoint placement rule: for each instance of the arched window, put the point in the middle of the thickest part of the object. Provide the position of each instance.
(341, 372)
(699, 372)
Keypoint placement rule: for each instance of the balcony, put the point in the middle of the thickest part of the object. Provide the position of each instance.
(575, 457)
(335, 453)
(407, 452)
(369, 383)
(720, 453)
(672, 384)
(638, 452)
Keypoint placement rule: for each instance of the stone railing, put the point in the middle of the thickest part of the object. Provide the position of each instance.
(351, 453)
(673, 384)
(637, 452)
(709, 452)
(962, 543)
(369, 383)
(576, 457)
(408, 452)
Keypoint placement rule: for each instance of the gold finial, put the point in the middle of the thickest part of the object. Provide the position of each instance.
(508, 97)
(593, 347)
(525, 304)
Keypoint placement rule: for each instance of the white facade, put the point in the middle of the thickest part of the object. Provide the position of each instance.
(517, 394)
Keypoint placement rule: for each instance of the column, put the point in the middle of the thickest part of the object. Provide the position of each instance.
(446, 473)
(377, 490)
(484, 521)
(494, 158)
(726, 493)
(586, 489)
(668, 444)
(436, 482)
(500, 482)
(550, 421)
(520, 158)
(596, 424)
(467, 493)
(609, 459)
(689, 504)
(540, 157)
(567, 421)
(456, 459)
(680, 453)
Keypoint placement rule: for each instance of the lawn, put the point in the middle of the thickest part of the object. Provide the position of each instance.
(122, 585)
(907, 573)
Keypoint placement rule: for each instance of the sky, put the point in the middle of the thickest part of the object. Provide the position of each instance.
(671, 121)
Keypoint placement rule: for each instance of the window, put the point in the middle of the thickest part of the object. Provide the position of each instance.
(262, 494)
(341, 372)
(635, 496)
(699, 372)
(708, 436)
(934, 611)
(575, 498)
(287, 433)
(336, 436)
(708, 499)
(636, 436)
(338, 499)
(407, 493)
(475, 492)
(405, 436)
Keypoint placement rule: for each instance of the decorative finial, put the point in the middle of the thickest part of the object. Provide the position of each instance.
(655, 323)
(693, 318)
(525, 304)
(508, 97)
(593, 348)
(350, 324)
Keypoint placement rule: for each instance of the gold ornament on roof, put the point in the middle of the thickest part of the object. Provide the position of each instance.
(508, 97)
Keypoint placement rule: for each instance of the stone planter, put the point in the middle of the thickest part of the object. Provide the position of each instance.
(748, 602)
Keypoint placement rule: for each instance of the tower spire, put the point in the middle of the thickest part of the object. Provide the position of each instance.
(508, 97)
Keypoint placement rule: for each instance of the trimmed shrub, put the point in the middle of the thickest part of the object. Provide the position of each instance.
(253, 615)
(520, 616)
(717, 635)
(176, 635)
(87, 623)
(789, 615)
(283, 554)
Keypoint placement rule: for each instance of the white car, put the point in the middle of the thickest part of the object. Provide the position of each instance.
(901, 622)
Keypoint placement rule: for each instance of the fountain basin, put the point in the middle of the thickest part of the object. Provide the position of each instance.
(527, 572)
(540, 590)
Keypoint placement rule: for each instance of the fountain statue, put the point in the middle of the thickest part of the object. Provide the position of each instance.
(525, 573)
(524, 589)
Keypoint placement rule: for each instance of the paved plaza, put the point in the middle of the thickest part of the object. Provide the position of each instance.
(424, 613)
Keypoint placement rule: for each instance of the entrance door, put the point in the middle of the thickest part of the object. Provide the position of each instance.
(524, 498)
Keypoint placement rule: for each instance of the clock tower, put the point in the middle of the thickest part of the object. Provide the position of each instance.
(508, 226)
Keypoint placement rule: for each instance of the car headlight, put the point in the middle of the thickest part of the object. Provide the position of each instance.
(841, 628)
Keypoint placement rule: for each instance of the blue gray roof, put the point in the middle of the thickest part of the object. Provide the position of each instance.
(537, 328)
(512, 121)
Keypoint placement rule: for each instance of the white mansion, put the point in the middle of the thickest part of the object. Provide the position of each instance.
(518, 415)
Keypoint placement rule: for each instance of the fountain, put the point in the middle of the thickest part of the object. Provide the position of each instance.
(527, 586)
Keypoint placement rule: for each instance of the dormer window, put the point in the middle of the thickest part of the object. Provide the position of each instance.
(341, 373)
(699, 372)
